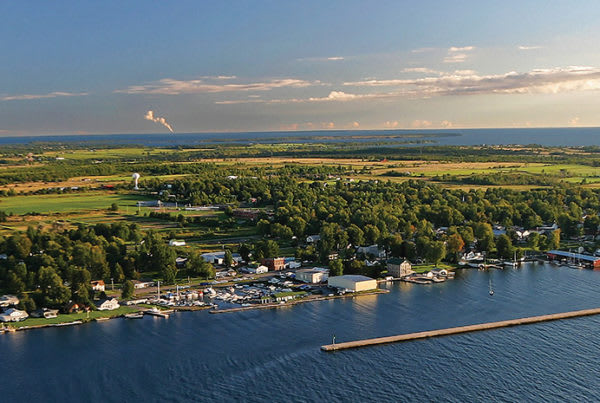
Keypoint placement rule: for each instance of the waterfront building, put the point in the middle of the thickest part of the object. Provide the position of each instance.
(45, 313)
(108, 304)
(8, 300)
(352, 282)
(399, 268)
(312, 276)
(588, 260)
(13, 315)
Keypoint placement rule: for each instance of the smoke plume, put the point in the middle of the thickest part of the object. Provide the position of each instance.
(162, 121)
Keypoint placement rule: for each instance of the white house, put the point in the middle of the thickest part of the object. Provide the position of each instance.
(8, 300)
(108, 305)
(13, 315)
(258, 269)
(142, 284)
(98, 285)
(312, 276)
(176, 242)
(352, 282)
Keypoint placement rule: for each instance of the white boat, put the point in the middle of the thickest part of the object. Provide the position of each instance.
(157, 312)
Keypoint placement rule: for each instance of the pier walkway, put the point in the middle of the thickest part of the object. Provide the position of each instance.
(458, 330)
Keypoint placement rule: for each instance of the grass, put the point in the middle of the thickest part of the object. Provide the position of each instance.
(72, 317)
(60, 203)
(428, 267)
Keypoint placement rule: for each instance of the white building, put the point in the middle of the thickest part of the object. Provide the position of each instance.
(219, 257)
(13, 315)
(352, 282)
(312, 276)
(257, 270)
(8, 300)
(98, 285)
(108, 305)
(176, 242)
(137, 284)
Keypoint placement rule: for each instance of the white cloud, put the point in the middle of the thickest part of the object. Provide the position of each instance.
(421, 124)
(456, 58)
(419, 70)
(391, 124)
(574, 122)
(169, 86)
(334, 96)
(328, 125)
(355, 125)
(446, 124)
(554, 80)
(455, 49)
(56, 94)
(422, 50)
(335, 58)
(525, 47)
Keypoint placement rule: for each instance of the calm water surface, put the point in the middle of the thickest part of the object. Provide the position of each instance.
(274, 355)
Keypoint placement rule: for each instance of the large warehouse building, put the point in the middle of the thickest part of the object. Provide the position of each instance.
(352, 282)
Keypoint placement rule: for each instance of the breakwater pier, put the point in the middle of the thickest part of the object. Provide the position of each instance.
(459, 330)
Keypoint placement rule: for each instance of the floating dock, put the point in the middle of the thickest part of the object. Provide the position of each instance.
(459, 330)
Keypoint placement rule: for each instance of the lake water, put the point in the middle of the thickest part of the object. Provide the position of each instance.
(274, 355)
(582, 136)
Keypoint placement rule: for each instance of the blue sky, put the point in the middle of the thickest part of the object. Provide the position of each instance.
(99, 67)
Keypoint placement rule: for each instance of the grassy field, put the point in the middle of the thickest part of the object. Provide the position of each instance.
(60, 203)
(67, 318)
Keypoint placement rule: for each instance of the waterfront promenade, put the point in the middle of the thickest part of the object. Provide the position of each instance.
(458, 330)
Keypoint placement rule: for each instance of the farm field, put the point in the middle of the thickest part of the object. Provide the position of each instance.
(60, 203)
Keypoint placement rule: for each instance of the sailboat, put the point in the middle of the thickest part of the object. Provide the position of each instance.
(491, 290)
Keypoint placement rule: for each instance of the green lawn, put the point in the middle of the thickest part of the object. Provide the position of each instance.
(67, 318)
(422, 268)
(59, 203)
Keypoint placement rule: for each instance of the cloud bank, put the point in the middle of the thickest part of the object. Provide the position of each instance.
(56, 94)
(169, 86)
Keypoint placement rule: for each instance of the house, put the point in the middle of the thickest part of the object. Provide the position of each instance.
(399, 268)
(219, 257)
(8, 300)
(274, 263)
(137, 284)
(372, 250)
(13, 315)
(352, 282)
(45, 313)
(257, 269)
(312, 276)
(313, 238)
(98, 285)
(72, 307)
(108, 304)
(176, 242)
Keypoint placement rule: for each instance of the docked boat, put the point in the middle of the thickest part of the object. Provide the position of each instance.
(134, 315)
(157, 312)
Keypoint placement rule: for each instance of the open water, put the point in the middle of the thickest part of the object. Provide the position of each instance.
(274, 355)
(581, 136)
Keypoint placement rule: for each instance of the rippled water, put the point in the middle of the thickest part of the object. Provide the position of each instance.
(274, 354)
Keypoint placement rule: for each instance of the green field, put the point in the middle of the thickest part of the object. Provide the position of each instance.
(60, 203)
